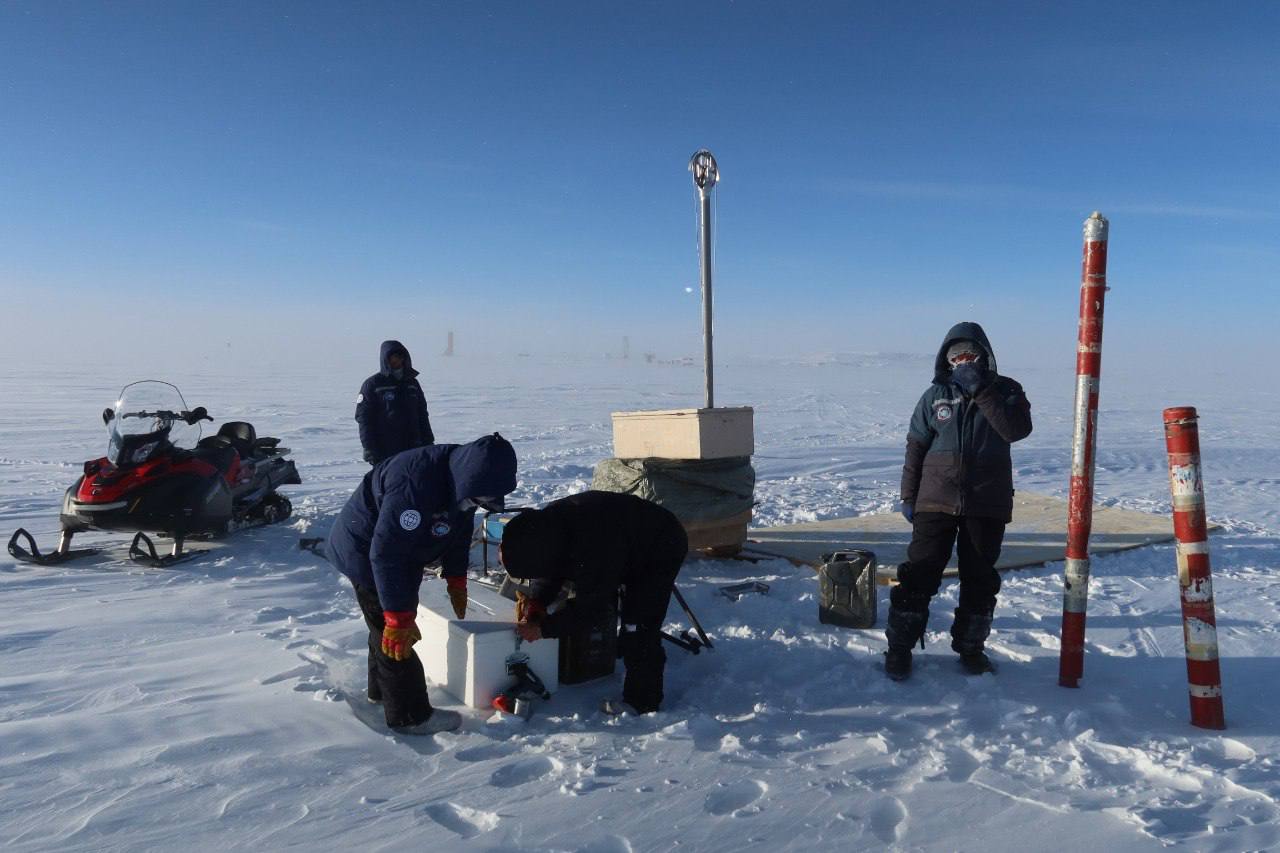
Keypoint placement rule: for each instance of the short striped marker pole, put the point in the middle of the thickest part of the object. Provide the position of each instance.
(1075, 598)
(1199, 624)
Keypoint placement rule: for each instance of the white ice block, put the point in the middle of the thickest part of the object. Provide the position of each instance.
(468, 657)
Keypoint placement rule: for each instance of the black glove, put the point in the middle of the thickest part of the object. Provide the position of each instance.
(909, 511)
(970, 377)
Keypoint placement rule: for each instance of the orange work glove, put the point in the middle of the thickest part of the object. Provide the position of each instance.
(528, 609)
(458, 595)
(399, 634)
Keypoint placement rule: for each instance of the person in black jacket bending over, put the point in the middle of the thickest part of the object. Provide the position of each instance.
(957, 491)
(391, 409)
(408, 512)
(603, 543)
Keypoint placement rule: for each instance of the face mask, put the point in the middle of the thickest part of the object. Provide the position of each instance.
(398, 373)
(485, 503)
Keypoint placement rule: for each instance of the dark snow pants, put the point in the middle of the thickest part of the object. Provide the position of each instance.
(643, 611)
(977, 542)
(399, 685)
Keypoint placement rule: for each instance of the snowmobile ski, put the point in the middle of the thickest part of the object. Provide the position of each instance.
(143, 552)
(32, 553)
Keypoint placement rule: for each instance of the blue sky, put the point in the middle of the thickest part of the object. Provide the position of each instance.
(516, 171)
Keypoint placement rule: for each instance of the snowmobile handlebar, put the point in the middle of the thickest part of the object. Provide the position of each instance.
(192, 417)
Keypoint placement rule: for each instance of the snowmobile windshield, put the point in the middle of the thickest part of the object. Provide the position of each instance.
(148, 417)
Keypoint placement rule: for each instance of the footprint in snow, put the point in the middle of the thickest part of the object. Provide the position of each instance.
(961, 765)
(888, 816)
(735, 798)
(465, 822)
(523, 771)
(608, 844)
(485, 753)
(307, 669)
(24, 640)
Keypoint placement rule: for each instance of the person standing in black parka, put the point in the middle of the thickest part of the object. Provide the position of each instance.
(957, 491)
(602, 542)
(392, 409)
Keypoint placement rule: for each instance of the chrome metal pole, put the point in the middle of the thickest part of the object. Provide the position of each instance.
(705, 175)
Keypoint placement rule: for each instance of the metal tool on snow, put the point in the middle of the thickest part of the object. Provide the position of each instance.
(734, 591)
(518, 698)
(686, 641)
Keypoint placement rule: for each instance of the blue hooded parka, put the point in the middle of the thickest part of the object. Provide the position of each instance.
(405, 516)
(391, 411)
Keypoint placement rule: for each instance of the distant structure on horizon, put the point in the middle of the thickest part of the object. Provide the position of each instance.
(626, 347)
(448, 350)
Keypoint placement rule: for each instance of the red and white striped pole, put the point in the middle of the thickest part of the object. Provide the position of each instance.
(1075, 600)
(1199, 624)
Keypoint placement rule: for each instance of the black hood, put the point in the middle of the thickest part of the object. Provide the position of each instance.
(961, 332)
(535, 545)
(484, 468)
(388, 347)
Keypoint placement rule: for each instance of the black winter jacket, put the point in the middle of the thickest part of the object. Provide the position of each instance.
(958, 448)
(392, 413)
(598, 541)
(405, 516)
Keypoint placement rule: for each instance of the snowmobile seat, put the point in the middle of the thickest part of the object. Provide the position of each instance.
(240, 435)
(217, 451)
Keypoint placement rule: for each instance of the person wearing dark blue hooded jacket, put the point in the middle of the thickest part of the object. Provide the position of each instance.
(957, 492)
(411, 510)
(392, 409)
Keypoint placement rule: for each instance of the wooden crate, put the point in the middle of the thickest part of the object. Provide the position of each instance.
(684, 433)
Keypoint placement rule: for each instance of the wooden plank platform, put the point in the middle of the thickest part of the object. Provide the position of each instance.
(1037, 535)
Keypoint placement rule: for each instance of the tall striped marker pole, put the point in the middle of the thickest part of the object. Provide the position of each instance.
(1075, 599)
(1199, 624)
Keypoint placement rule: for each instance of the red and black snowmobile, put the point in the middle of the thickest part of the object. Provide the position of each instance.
(148, 483)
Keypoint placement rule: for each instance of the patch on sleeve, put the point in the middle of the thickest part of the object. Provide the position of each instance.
(359, 398)
(410, 519)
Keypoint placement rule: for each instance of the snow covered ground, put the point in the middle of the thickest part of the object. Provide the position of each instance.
(220, 704)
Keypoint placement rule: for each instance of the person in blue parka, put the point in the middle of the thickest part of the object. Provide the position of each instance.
(411, 510)
(392, 408)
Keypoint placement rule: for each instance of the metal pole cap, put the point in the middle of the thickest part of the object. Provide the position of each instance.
(1096, 228)
(705, 171)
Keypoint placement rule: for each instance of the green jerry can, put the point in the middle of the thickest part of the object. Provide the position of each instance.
(847, 589)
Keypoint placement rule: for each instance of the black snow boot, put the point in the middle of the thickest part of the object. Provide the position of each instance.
(375, 689)
(645, 659)
(903, 629)
(969, 634)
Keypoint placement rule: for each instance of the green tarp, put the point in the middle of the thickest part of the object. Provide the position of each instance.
(693, 489)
